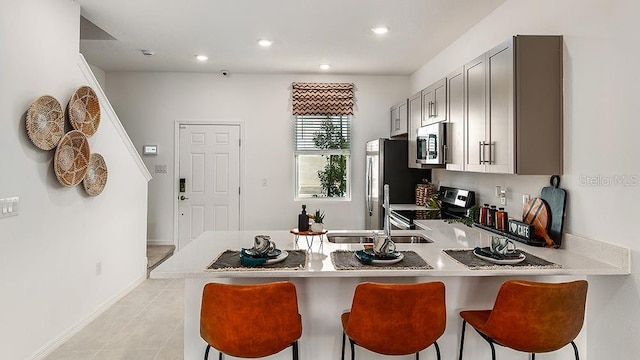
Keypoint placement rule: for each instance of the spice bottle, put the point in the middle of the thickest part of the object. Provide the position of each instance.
(491, 216)
(303, 219)
(501, 219)
(484, 212)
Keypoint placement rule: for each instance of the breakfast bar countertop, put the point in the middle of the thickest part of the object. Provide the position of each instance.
(579, 256)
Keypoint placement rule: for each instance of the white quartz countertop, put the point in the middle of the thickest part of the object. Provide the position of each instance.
(407, 207)
(581, 256)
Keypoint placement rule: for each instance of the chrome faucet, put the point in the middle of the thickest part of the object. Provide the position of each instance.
(387, 210)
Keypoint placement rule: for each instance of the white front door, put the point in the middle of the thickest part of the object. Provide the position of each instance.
(209, 166)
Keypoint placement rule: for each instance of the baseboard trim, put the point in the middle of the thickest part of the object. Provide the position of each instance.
(159, 242)
(73, 330)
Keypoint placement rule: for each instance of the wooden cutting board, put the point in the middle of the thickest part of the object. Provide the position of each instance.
(556, 198)
(536, 213)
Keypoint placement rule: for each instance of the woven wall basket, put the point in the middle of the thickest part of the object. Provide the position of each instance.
(45, 122)
(84, 111)
(71, 160)
(96, 177)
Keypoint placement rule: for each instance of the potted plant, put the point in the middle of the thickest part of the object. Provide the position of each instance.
(318, 221)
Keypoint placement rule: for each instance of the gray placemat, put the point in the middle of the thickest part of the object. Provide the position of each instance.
(347, 260)
(229, 260)
(468, 259)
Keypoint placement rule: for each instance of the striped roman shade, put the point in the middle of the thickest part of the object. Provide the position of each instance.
(332, 99)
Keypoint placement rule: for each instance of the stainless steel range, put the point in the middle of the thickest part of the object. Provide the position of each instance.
(454, 204)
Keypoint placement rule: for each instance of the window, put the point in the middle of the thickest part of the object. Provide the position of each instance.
(322, 155)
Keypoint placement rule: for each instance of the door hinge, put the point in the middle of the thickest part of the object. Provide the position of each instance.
(239, 142)
(238, 191)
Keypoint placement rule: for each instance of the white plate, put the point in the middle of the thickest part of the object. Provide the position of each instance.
(283, 255)
(384, 261)
(501, 262)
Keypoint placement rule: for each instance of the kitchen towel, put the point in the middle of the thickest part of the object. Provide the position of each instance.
(229, 260)
(468, 259)
(347, 260)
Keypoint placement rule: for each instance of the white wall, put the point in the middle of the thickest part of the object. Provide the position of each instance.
(600, 139)
(48, 281)
(100, 75)
(150, 103)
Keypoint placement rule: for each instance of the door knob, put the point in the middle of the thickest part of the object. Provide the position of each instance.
(182, 197)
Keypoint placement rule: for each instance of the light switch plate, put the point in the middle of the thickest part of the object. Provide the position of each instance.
(9, 206)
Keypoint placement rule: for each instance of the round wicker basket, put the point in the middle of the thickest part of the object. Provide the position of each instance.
(96, 177)
(84, 111)
(71, 160)
(45, 122)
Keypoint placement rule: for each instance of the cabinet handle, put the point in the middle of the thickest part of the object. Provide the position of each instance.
(431, 108)
(480, 151)
(435, 110)
(490, 161)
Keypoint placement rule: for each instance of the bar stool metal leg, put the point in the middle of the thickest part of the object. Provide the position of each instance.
(464, 325)
(575, 350)
(295, 350)
(437, 349)
(353, 350)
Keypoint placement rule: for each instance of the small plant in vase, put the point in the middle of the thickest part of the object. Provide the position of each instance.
(318, 221)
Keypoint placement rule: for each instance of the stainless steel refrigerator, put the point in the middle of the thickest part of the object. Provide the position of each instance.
(387, 163)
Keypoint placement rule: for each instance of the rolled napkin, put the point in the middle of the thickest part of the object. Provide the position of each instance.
(251, 261)
(364, 257)
(486, 252)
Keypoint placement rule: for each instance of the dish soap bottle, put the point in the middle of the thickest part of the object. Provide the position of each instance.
(303, 220)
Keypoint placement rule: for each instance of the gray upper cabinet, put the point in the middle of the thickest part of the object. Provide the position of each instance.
(399, 117)
(415, 120)
(434, 103)
(513, 108)
(454, 153)
(474, 117)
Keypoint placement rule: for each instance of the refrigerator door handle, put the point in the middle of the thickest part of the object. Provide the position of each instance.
(369, 187)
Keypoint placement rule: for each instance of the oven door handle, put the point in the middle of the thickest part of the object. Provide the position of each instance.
(399, 224)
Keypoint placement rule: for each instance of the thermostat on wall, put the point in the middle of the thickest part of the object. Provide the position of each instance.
(150, 150)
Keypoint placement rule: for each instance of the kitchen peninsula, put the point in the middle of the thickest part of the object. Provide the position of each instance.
(324, 292)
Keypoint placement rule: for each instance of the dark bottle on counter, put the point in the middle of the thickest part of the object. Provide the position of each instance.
(484, 212)
(303, 220)
(491, 216)
(501, 219)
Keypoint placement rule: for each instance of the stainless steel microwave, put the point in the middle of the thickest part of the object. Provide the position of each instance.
(431, 144)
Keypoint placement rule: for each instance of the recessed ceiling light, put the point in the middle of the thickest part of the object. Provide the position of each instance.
(265, 42)
(202, 57)
(148, 52)
(325, 66)
(380, 30)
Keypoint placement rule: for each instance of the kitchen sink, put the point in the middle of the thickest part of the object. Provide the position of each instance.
(356, 239)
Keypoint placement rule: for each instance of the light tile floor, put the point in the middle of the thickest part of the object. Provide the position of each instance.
(147, 324)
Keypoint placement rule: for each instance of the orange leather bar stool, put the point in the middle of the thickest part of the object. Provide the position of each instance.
(250, 321)
(531, 317)
(395, 319)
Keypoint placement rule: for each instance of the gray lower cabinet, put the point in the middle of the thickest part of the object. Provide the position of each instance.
(513, 108)
(454, 153)
(399, 119)
(415, 121)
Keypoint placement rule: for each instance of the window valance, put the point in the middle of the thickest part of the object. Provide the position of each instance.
(334, 99)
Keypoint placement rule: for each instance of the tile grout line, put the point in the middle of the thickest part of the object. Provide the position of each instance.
(169, 338)
(129, 322)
